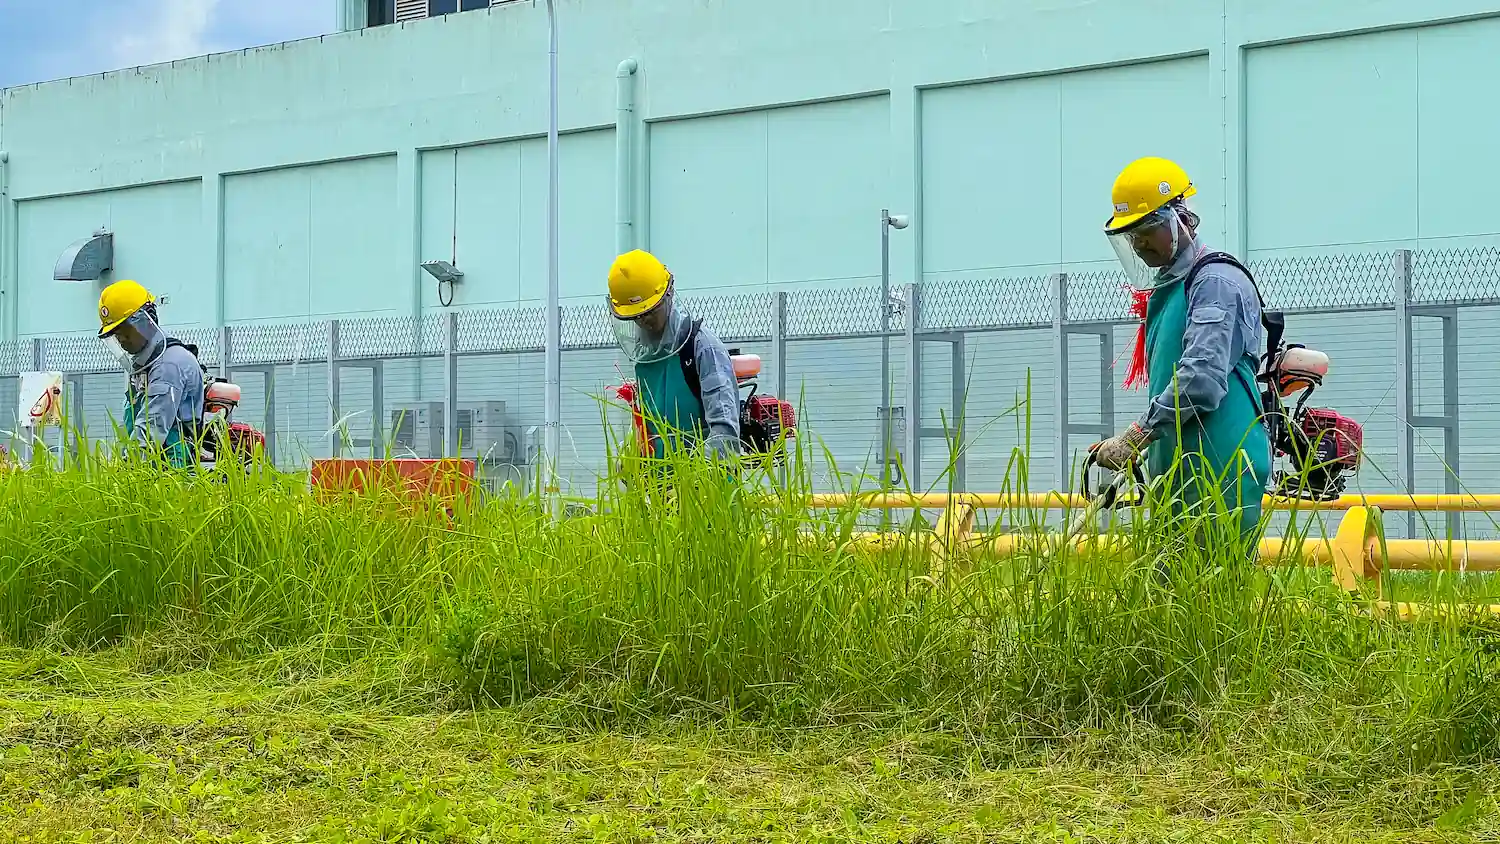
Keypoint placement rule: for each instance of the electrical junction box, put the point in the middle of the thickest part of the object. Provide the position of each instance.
(483, 430)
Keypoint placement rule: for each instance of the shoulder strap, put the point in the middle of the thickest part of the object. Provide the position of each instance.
(687, 357)
(1221, 258)
(192, 350)
(1274, 322)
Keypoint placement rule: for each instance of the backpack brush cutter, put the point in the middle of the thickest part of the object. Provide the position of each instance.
(766, 422)
(219, 437)
(1321, 445)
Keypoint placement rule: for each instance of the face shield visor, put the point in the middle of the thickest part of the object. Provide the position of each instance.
(135, 340)
(1150, 245)
(657, 334)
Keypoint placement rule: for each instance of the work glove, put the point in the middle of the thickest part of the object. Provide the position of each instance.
(1121, 450)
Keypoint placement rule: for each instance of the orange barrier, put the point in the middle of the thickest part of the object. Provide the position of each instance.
(447, 479)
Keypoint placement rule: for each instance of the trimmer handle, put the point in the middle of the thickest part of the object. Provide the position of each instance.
(1109, 497)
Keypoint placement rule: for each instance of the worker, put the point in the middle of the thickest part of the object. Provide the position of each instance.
(687, 391)
(1198, 347)
(164, 399)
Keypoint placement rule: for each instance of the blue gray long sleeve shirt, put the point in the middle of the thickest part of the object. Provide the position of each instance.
(1223, 324)
(721, 392)
(173, 386)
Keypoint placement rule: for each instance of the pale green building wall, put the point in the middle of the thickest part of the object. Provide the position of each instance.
(308, 180)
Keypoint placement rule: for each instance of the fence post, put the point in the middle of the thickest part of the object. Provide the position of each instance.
(1060, 380)
(913, 433)
(1450, 416)
(37, 359)
(334, 426)
(1107, 381)
(778, 344)
(1405, 462)
(450, 384)
(955, 435)
(223, 340)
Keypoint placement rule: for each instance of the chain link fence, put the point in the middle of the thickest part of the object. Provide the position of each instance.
(1026, 363)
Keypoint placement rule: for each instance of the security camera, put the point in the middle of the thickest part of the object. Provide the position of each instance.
(897, 221)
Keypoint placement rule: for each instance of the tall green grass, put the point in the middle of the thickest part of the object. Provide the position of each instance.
(698, 595)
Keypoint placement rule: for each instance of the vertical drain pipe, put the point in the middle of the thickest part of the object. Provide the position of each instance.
(10, 314)
(624, 155)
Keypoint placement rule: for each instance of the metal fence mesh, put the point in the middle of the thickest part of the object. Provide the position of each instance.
(396, 378)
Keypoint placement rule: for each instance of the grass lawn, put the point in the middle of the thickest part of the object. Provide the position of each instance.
(90, 751)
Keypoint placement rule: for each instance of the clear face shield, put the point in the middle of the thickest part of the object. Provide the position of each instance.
(657, 334)
(134, 337)
(1152, 244)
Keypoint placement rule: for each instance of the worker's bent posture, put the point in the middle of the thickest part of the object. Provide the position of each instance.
(1198, 348)
(687, 389)
(164, 400)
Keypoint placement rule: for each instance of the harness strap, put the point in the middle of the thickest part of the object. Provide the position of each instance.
(1274, 322)
(687, 357)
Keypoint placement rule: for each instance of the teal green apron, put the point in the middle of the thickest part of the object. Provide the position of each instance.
(177, 452)
(674, 416)
(1224, 452)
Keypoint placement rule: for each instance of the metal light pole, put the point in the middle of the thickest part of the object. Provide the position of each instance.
(887, 222)
(553, 368)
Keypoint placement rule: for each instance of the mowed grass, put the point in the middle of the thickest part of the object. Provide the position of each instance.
(93, 751)
(706, 660)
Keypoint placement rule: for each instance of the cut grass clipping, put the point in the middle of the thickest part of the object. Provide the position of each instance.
(731, 609)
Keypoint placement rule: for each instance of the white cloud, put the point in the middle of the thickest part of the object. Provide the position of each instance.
(52, 39)
(269, 21)
(163, 31)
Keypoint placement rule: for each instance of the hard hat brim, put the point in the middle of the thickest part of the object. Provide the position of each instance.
(634, 310)
(1120, 222)
(110, 329)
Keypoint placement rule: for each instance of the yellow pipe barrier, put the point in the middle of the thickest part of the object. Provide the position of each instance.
(1430, 555)
(1355, 551)
(1404, 611)
(1392, 502)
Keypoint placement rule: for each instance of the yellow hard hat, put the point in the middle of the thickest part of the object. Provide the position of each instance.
(1145, 185)
(118, 302)
(637, 283)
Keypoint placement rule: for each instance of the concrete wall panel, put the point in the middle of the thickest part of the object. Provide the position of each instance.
(312, 242)
(159, 241)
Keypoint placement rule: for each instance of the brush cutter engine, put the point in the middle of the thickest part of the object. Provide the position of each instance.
(1322, 446)
(221, 437)
(766, 422)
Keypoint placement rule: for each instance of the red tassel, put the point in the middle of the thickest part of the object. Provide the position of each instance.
(1135, 377)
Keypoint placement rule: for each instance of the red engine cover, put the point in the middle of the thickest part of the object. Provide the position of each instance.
(244, 439)
(770, 409)
(1337, 438)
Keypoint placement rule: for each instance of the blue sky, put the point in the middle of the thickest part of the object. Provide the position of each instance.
(52, 39)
